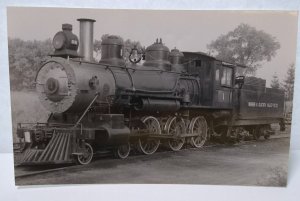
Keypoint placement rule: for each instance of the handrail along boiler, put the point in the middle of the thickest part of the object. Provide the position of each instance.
(173, 98)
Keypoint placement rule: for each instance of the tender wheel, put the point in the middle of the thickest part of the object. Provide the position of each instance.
(122, 151)
(150, 145)
(87, 155)
(176, 127)
(256, 134)
(198, 126)
(264, 131)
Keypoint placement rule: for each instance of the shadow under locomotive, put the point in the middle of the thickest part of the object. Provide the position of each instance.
(173, 98)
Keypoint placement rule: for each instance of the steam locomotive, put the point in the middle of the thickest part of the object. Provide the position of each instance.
(173, 98)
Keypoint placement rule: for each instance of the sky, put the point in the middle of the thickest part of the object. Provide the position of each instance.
(185, 30)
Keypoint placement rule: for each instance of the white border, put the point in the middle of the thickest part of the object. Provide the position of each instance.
(140, 192)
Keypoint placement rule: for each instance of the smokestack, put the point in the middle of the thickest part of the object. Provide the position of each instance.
(86, 38)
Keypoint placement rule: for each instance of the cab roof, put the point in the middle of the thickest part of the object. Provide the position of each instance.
(202, 54)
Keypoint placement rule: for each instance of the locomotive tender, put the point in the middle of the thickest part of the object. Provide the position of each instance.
(171, 99)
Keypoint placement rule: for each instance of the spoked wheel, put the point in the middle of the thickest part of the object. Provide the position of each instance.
(122, 151)
(175, 128)
(263, 130)
(198, 126)
(87, 155)
(150, 145)
(256, 134)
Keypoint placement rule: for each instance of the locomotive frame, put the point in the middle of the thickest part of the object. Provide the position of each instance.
(174, 98)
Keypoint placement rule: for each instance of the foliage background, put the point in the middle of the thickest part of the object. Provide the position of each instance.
(25, 57)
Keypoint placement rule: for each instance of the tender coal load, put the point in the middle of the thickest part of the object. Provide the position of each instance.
(157, 55)
(254, 83)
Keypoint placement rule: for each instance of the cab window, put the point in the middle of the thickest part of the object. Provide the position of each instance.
(198, 63)
(217, 77)
(226, 79)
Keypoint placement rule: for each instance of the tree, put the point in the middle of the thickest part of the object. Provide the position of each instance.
(275, 82)
(25, 58)
(97, 49)
(245, 45)
(288, 84)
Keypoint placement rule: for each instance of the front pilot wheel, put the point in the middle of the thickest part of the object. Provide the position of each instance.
(87, 155)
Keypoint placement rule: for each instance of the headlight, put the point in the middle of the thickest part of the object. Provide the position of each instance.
(59, 41)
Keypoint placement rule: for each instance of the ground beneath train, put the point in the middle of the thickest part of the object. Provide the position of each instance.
(263, 162)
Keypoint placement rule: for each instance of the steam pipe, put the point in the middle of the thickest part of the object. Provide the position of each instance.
(86, 38)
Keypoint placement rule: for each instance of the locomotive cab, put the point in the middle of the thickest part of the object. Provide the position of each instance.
(216, 79)
(224, 82)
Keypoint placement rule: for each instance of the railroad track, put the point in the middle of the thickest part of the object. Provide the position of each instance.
(38, 172)
(43, 170)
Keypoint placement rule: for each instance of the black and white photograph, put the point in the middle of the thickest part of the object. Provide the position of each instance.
(120, 96)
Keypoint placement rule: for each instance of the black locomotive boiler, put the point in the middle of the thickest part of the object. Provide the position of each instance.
(173, 98)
